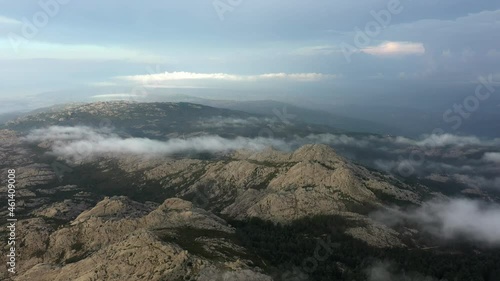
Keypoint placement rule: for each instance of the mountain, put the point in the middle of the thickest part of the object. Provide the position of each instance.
(69, 226)
(289, 111)
(157, 120)
(119, 239)
(5, 117)
(238, 212)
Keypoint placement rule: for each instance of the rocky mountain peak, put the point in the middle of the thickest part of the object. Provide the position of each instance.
(116, 207)
(316, 152)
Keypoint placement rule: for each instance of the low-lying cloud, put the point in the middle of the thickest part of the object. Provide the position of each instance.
(78, 143)
(473, 220)
(432, 157)
(81, 141)
(440, 140)
(492, 157)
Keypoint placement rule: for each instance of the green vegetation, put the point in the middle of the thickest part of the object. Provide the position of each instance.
(284, 247)
(186, 237)
(391, 199)
(75, 259)
(324, 165)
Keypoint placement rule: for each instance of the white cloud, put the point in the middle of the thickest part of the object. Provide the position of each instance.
(395, 49)
(115, 96)
(81, 143)
(77, 143)
(439, 140)
(182, 75)
(9, 21)
(448, 139)
(450, 219)
(376, 151)
(492, 157)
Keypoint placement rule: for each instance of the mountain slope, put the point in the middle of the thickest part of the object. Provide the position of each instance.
(289, 111)
(161, 120)
(234, 214)
(120, 239)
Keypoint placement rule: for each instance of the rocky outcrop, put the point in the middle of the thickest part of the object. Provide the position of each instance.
(74, 233)
(139, 256)
(65, 210)
(120, 239)
(282, 187)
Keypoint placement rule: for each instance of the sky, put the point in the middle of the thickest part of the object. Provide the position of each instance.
(322, 50)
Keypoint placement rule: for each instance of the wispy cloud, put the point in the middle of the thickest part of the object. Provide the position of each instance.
(9, 21)
(395, 49)
(492, 157)
(118, 96)
(447, 155)
(317, 50)
(181, 75)
(81, 143)
(439, 140)
(451, 219)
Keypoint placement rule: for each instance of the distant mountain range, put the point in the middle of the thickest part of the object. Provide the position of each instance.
(385, 115)
(286, 111)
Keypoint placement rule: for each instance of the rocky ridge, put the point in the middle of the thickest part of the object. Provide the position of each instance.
(102, 244)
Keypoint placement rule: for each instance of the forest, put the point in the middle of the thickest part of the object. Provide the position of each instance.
(318, 249)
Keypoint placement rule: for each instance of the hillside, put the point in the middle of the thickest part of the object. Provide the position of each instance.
(242, 211)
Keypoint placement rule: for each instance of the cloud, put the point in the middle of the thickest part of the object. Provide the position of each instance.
(452, 157)
(103, 84)
(183, 76)
(80, 143)
(390, 143)
(395, 49)
(477, 181)
(448, 139)
(322, 50)
(117, 96)
(451, 219)
(492, 157)
(9, 21)
(440, 140)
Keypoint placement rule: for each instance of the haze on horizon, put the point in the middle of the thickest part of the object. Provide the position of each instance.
(423, 56)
